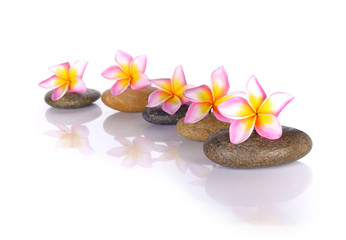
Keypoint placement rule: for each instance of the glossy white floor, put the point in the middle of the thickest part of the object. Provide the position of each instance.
(95, 173)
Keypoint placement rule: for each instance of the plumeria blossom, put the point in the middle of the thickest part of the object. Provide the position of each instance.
(257, 111)
(66, 78)
(170, 94)
(130, 72)
(204, 99)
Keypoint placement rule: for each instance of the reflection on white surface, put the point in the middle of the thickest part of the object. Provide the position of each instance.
(254, 194)
(147, 144)
(135, 152)
(75, 136)
(172, 154)
(70, 131)
(73, 116)
(162, 133)
(122, 124)
(187, 154)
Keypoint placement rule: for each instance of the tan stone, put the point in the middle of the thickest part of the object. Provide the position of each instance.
(128, 101)
(199, 131)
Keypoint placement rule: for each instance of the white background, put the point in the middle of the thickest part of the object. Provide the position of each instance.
(49, 192)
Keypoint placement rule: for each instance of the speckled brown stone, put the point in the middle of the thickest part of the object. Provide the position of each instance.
(73, 100)
(199, 131)
(128, 101)
(257, 151)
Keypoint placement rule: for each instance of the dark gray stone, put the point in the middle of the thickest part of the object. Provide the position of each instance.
(156, 115)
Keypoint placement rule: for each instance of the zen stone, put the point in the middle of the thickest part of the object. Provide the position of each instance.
(72, 99)
(257, 151)
(199, 131)
(156, 115)
(128, 101)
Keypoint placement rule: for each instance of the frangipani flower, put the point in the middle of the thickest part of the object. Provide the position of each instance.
(129, 72)
(170, 92)
(66, 78)
(204, 99)
(257, 112)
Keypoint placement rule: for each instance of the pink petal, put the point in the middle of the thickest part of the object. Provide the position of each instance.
(145, 160)
(114, 73)
(199, 94)
(275, 103)
(268, 126)
(240, 130)
(77, 85)
(123, 141)
(158, 97)
(163, 83)
(221, 117)
(59, 92)
(61, 70)
(77, 69)
(197, 111)
(52, 82)
(84, 146)
(139, 80)
(124, 60)
(119, 151)
(256, 93)
(219, 81)
(236, 108)
(178, 79)
(80, 130)
(119, 87)
(139, 64)
(172, 105)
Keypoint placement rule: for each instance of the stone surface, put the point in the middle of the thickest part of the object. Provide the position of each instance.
(128, 101)
(156, 115)
(257, 151)
(73, 100)
(199, 131)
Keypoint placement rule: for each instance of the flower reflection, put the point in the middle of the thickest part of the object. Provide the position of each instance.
(75, 136)
(260, 215)
(135, 152)
(172, 153)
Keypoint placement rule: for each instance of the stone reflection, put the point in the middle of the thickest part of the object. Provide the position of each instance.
(122, 124)
(73, 116)
(70, 131)
(255, 195)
